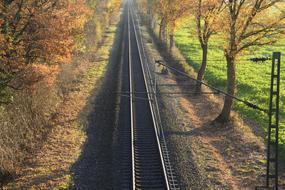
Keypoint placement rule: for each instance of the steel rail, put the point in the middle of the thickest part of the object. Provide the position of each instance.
(131, 101)
(151, 92)
(153, 86)
(148, 77)
(170, 171)
(162, 93)
(151, 106)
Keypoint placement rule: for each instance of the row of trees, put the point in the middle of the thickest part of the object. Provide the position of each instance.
(37, 36)
(40, 43)
(242, 24)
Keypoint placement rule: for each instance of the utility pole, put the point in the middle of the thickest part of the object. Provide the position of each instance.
(273, 126)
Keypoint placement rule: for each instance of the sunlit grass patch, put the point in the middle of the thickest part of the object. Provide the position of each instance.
(253, 79)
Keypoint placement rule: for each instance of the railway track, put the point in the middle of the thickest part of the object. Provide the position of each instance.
(146, 163)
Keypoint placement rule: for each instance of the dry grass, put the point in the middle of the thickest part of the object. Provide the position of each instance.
(24, 124)
(48, 169)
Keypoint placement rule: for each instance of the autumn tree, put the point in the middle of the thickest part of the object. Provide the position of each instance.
(155, 10)
(146, 7)
(177, 10)
(38, 38)
(207, 15)
(161, 7)
(169, 13)
(100, 19)
(34, 36)
(247, 23)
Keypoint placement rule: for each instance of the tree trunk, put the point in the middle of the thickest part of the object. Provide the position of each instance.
(202, 69)
(171, 41)
(153, 24)
(171, 36)
(149, 17)
(162, 29)
(231, 90)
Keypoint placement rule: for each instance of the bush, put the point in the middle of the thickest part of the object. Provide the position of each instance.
(24, 124)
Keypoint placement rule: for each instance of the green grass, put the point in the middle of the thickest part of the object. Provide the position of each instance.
(253, 79)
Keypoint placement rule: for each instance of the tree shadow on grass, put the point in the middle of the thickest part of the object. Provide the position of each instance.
(211, 77)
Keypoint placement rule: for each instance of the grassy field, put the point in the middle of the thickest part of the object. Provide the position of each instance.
(253, 79)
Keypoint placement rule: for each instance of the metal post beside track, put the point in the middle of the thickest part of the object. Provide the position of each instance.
(273, 126)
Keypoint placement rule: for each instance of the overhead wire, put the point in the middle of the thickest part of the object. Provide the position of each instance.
(247, 103)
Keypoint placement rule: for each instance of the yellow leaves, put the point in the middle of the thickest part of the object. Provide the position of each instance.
(79, 22)
(44, 39)
(79, 12)
(79, 7)
(172, 11)
(31, 47)
(47, 74)
(1, 45)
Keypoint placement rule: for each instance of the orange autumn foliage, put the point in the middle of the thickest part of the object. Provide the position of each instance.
(36, 37)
